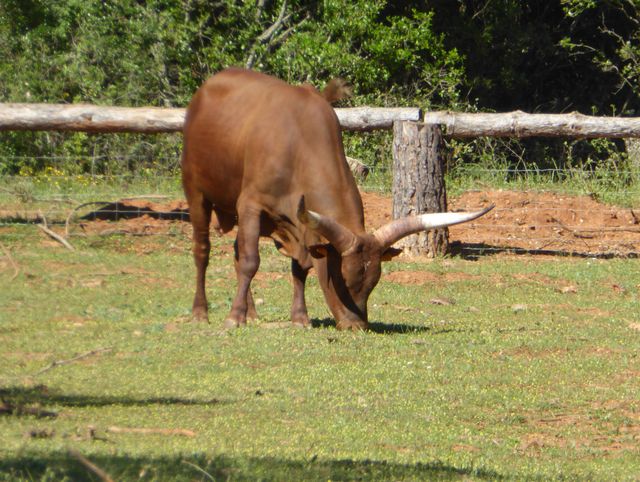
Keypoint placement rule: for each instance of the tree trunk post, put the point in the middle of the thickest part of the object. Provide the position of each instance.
(633, 151)
(418, 183)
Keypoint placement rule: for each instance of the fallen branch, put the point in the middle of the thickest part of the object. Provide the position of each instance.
(16, 270)
(153, 431)
(574, 232)
(74, 210)
(82, 356)
(44, 227)
(615, 229)
(102, 475)
(57, 237)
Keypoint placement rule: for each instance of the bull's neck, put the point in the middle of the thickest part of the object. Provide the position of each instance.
(342, 202)
(352, 215)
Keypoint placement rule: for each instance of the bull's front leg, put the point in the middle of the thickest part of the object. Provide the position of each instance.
(200, 214)
(247, 263)
(299, 315)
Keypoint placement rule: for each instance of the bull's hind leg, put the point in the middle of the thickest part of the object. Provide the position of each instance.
(247, 263)
(299, 315)
(200, 214)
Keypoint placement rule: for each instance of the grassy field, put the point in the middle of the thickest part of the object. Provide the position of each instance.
(523, 368)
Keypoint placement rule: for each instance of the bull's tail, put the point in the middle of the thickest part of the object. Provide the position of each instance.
(335, 90)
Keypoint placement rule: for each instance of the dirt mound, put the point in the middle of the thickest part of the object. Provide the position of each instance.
(550, 222)
(521, 221)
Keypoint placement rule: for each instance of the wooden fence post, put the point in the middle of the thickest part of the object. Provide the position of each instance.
(418, 183)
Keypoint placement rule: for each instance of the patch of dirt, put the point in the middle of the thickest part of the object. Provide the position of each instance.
(424, 277)
(531, 353)
(546, 223)
(580, 431)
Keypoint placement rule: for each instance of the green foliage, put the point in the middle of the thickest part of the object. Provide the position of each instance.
(464, 55)
(606, 35)
(158, 52)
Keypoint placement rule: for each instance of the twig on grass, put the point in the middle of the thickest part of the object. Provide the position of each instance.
(74, 210)
(57, 363)
(57, 237)
(199, 469)
(572, 231)
(580, 232)
(153, 431)
(52, 234)
(16, 270)
(102, 475)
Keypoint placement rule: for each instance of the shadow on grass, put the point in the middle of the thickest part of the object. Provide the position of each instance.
(41, 395)
(375, 327)
(60, 466)
(475, 251)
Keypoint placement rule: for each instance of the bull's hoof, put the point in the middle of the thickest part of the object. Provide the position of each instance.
(199, 315)
(300, 320)
(352, 325)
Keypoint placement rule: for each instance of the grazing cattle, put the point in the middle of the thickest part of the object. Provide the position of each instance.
(268, 157)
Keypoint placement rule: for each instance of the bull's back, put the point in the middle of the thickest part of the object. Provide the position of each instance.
(242, 133)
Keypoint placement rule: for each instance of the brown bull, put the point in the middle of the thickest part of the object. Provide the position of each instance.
(268, 157)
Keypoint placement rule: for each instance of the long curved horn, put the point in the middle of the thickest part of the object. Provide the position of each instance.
(340, 237)
(398, 229)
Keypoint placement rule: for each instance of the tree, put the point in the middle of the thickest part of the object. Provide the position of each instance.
(518, 54)
(606, 35)
(126, 52)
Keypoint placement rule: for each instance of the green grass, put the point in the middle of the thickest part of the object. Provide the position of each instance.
(608, 186)
(519, 378)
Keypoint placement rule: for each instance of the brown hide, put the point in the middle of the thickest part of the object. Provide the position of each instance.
(268, 157)
(253, 146)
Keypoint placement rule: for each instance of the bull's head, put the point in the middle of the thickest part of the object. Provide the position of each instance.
(349, 265)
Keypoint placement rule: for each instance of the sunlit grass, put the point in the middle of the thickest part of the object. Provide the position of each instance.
(503, 367)
(617, 188)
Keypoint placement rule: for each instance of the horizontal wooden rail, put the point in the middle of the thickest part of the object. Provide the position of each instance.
(521, 124)
(93, 118)
(374, 118)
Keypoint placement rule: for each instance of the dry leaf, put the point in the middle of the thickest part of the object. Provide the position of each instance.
(568, 289)
(442, 301)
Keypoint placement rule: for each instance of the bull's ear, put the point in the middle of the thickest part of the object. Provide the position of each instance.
(318, 250)
(390, 253)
